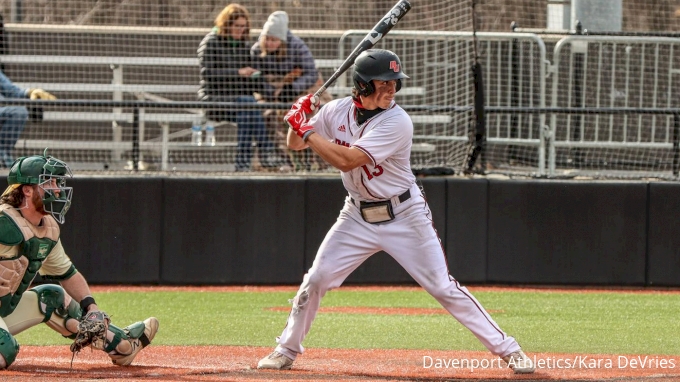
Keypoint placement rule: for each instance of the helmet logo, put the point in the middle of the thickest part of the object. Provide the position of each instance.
(394, 66)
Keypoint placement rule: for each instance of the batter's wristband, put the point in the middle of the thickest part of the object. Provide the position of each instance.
(307, 134)
(86, 302)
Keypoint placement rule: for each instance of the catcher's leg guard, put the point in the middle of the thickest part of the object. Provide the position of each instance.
(127, 342)
(9, 348)
(51, 300)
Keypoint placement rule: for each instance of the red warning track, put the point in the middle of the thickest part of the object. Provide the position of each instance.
(235, 363)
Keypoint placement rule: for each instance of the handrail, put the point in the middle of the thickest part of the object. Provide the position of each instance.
(280, 105)
(154, 31)
(122, 60)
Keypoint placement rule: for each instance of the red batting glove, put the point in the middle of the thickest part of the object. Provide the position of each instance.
(297, 115)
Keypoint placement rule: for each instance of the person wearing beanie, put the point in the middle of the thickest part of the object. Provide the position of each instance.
(276, 26)
(284, 59)
(288, 66)
(227, 75)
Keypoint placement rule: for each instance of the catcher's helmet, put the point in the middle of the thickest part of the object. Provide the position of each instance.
(376, 64)
(41, 170)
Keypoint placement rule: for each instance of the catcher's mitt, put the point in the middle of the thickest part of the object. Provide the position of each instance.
(91, 329)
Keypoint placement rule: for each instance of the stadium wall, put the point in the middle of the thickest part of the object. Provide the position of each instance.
(165, 230)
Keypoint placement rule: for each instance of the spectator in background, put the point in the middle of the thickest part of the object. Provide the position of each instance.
(288, 66)
(227, 75)
(13, 118)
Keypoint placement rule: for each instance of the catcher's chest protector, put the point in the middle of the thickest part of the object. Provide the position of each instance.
(35, 243)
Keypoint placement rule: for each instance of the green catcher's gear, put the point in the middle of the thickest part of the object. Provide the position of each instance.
(126, 342)
(132, 331)
(19, 272)
(138, 335)
(51, 304)
(42, 170)
(50, 299)
(9, 348)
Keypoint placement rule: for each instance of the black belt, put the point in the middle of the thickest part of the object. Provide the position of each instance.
(402, 198)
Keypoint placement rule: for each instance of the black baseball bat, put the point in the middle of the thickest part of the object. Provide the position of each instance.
(376, 34)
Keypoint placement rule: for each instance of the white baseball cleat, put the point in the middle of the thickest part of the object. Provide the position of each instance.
(519, 362)
(275, 361)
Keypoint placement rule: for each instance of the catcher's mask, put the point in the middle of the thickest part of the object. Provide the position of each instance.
(376, 64)
(50, 174)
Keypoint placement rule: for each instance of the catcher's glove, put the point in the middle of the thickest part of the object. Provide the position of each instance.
(91, 329)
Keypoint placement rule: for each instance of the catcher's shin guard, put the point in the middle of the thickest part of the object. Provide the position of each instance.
(9, 348)
(131, 340)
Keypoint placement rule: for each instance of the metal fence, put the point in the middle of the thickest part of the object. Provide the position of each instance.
(595, 105)
(614, 72)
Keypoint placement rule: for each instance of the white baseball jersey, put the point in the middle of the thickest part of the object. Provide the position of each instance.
(386, 139)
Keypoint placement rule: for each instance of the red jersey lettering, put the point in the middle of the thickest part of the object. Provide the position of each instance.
(341, 143)
(377, 171)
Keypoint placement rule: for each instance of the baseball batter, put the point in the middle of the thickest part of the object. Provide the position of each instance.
(368, 137)
(35, 200)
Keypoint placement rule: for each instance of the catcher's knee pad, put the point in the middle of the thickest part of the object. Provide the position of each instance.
(50, 298)
(51, 304)
(9, 347)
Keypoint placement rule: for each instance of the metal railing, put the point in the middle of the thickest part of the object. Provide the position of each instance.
(605, 93)
(613, 73)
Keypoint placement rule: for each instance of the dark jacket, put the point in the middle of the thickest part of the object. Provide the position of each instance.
(298, 56)
(219, 59)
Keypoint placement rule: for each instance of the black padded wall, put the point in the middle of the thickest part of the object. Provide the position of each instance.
(113, 230)
(664, 234)
(559, 232)
(233, 231)
(466, 228)
(138, 230)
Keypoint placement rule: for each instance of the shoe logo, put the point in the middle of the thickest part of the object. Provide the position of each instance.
(342, 128)
(134, 344)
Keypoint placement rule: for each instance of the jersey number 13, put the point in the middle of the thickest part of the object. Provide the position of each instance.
(377, 171)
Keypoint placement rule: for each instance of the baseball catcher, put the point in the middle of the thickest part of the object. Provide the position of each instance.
(31, 207)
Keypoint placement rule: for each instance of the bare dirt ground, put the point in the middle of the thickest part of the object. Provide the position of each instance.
(235, 363)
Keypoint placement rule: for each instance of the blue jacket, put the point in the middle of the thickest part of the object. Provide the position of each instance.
(298, 55)
(9, 90)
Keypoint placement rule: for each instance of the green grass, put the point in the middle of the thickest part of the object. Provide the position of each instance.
(598, 323)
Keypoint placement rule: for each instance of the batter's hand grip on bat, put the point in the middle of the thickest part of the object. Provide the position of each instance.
(376, 34)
